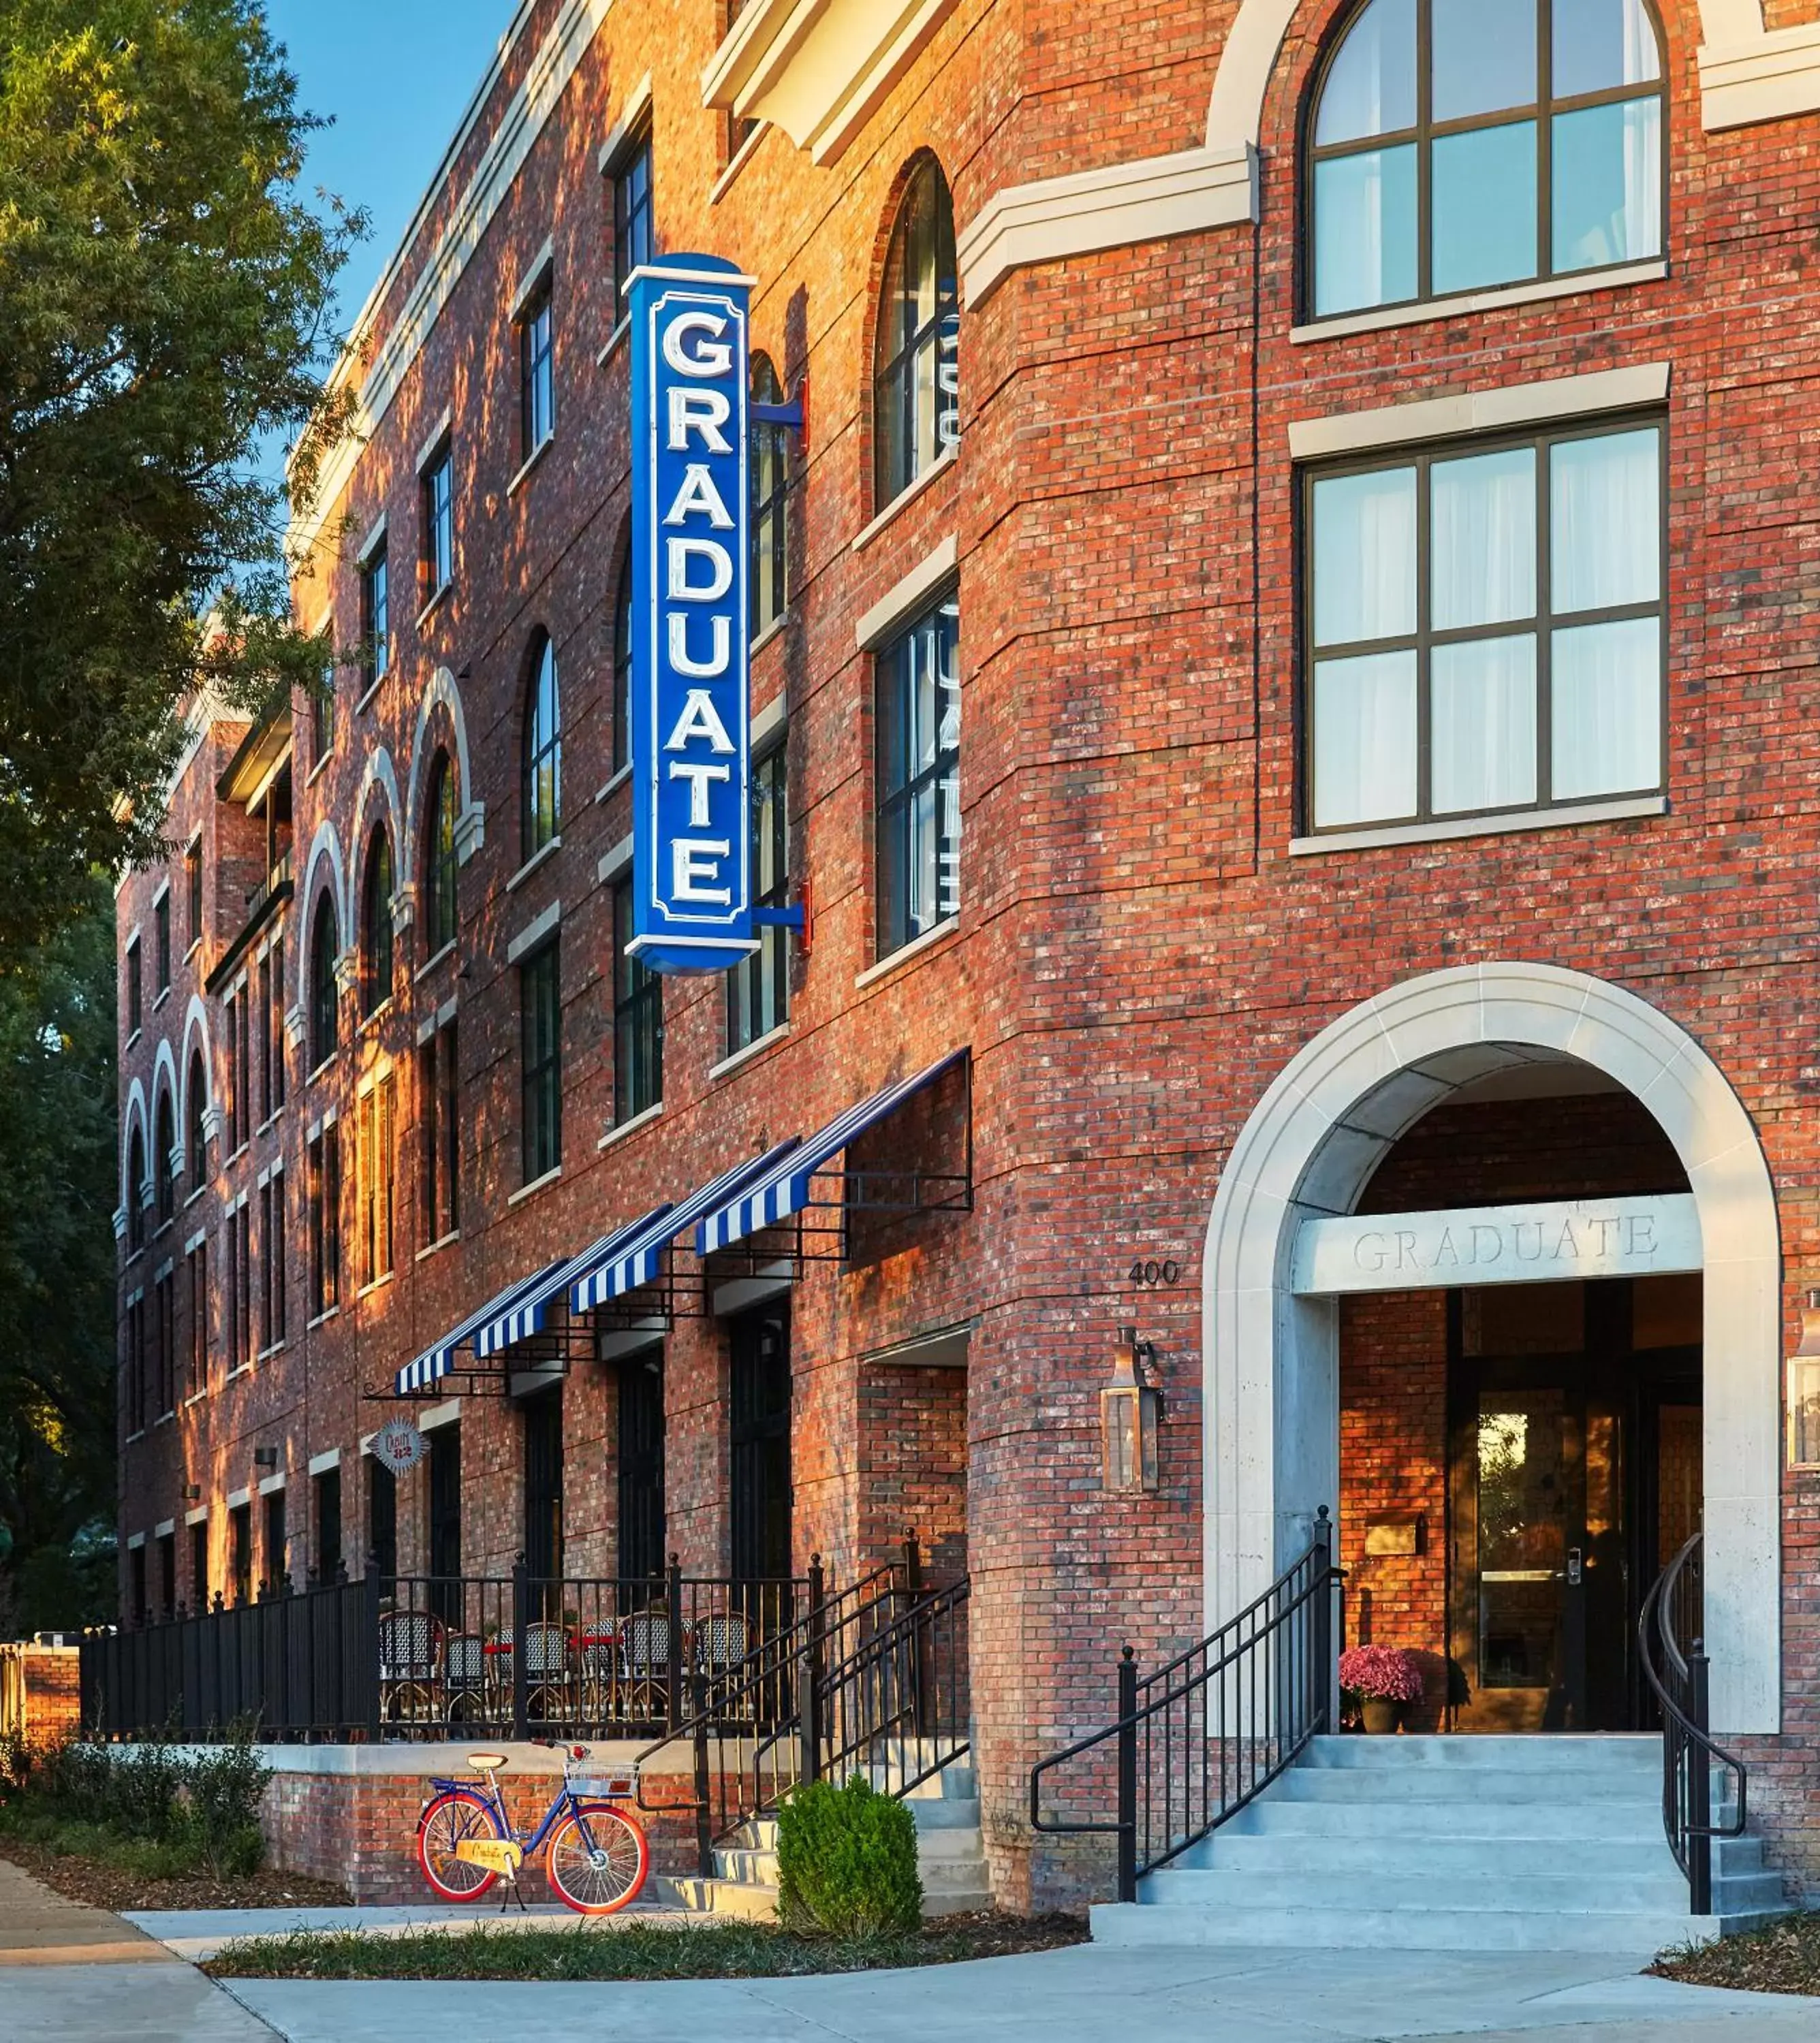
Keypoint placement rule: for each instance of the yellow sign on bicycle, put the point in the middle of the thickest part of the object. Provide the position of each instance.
(496, 1854)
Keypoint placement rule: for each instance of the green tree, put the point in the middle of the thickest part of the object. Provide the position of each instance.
(58, 1115)
(167, 302)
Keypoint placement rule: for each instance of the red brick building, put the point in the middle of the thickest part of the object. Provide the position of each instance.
(1286, 639)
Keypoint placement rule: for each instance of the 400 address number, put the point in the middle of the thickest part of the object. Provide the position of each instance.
(1148, 1273)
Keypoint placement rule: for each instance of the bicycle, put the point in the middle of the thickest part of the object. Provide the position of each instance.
(596, 1857)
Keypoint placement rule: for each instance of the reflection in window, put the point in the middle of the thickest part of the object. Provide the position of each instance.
(758, 986)
(441, 863)
(1487, 629)
(770, 483)
(1462, 144)
(916, 413)
(918, 728)
(543, 750)
(376, 926)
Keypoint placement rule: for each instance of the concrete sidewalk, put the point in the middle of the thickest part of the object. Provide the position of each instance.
(197, 1933)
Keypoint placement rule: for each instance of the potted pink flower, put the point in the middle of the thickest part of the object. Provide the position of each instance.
(1381, 1682)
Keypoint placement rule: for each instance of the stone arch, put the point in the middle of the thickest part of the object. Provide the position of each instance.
(1270, 1359)
(444, 692)
(379, 775)
(325, 849)
(135, 1112)
(1248, 59)
(164, 1079)
(195, 1040)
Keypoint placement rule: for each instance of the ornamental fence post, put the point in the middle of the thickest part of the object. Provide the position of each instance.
(520, 1671)
(1127, 1771)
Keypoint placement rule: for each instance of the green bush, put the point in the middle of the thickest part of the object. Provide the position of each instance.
(223, 1788)
(846, 1861)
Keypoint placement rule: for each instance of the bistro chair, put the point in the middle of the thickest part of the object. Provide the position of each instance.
(410, 1652)
(596, 1659)
(464, 1676)
(644, 1666)
(546, 1671)
(722, 1643)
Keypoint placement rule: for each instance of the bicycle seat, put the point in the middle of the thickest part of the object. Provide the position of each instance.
(486, 1762)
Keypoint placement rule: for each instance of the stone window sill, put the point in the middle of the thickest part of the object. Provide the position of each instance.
(907, 954)
(906, 497)
(736, 1059)
(529, 462)
(436, 595)
(642, 1119)
(541, 856)
(536, 1186)
(1454, 827)
(1469, 302)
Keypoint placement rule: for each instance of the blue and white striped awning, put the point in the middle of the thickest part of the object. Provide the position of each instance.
(635, 1260)
(783, 1189)
(529, 1311)
(436, 1362)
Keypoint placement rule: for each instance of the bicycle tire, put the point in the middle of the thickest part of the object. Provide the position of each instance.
(606, 1879)
(440, 1828)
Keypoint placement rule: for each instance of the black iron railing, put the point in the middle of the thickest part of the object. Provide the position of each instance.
(1673, 1611)
(871, 1679)
(1206, 1734)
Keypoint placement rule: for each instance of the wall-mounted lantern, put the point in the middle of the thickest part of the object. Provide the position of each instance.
(265, 1457)
(1804, 1389)
(192, 1492)
(1131, 1410)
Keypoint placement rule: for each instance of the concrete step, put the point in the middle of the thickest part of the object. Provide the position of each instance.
(1602, 1819)
(1548, 1753)
(1447, 1859)
(1469, 1784)
(1638, 1933)
(1661, 1891)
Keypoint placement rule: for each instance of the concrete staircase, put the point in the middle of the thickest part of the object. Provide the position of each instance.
(1450, 1843)
(950, 1854)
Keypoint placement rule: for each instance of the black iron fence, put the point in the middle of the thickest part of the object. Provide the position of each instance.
(430, 1657)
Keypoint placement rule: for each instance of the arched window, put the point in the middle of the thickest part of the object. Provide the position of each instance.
(439, 861)
(1458, 145)
(543, 750)
(196, 1132)
(376, 925)
(915, 387)
(622, 665)
(135, 1191)
(324, 1012)
(166, 1182)
(770, 483)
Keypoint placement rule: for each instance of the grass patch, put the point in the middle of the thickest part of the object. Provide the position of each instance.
(68, 1837)
(633, 1950)
(1784, 1957)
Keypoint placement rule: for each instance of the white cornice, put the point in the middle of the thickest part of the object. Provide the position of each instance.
(1766, 77)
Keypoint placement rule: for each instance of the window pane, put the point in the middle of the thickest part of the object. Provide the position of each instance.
(1484, 56)
(1607, 179)
(1365, 739)
(1606, 710)
(1364, 556)
(1483, 539)
(1607, 538)
(1371, 88)
(1483, 728)
(1364, 230)
(1485, 205)
(1601, 44)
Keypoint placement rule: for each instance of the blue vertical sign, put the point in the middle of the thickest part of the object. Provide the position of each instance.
(692, 829)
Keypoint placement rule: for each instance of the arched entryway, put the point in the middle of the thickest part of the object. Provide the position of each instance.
(1271, 1352)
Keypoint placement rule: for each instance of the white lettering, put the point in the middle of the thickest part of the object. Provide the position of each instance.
(720, 655)
(1606, 1229)
(700, 718)
(720, 563)
(1642, 1234)
(703, 412)
(1568, 1245)
(1496, 1241)
(1447, 1252)
(1517, 1238)
(699, 496)
(1406, 1256)
(695, 859)
(1368, 1252)
(699, 773)
(712, 358)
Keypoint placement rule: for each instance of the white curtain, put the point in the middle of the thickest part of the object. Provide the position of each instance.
(1482, 730)
(1607, 527)
(1605, 709)
(1482, 545)
(1364, 230)
(1365, 739)
(1371, 85)
(1364, 556)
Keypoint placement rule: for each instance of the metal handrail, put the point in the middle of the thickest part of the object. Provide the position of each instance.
(1689, 1752)
(1201, 1737)
(905, 1687)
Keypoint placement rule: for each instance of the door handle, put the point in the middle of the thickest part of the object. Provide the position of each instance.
(1576, 1569)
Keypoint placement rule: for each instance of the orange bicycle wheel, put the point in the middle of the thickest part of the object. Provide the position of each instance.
(452, 1817)
(600, 1873)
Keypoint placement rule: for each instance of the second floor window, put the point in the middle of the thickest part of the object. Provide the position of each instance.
(543, 750)
(1486, 628)
(537, 374)
(541, 990)
(273, 1243)
(919, 764)
(161, 934)
(440, 861)
(376, 926)
(759, 987)
(638, 1020)
(193, 889)
(375, 617)
(196, 1131)
(623, 666)
(196, 1352)
(323, 709)
(437, 487)
(324, 993)
(439, 1122)
(916, 389)
(1458, 146)
(770, 483)
(135, 991)
(165, 1145)
(324, 1220)
(377, 1148)
(633, 240)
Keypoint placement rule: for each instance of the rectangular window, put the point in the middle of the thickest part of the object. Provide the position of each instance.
(274, 1026)
(542, 1417)
(241, 1225)
(164, 1313)
(323, 717)
(240, 1551)
(135, 1573)
(638, 1020)
(328, 1526)
(375, 1160)
(1485, 629)
(375, 617)
(634, 242)
(192, 888)
(167, 1575)
(325, 1221)
(271, 1262)
(758, 986)
(196, 1354)
(161, 938)
(135, 991)
(437, 488)
(540, 993)
(133, 1394)
(266, 1100)
(536, 350)
(382, 1517)
(198, 1567)
(918, 759)
(439, 1120)
(276, 1579)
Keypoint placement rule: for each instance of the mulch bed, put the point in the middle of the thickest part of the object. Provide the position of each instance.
(1784, 1958)
(626, 1949)
(108, 1887)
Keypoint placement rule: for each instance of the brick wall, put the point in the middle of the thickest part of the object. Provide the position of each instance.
(40, 1691)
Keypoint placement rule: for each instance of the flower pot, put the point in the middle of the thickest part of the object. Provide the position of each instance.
(1383, 1714)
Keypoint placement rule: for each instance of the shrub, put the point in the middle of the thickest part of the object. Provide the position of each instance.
(223, 1789)
(846, 1861)
(1387, 1672)
(16, 1762)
